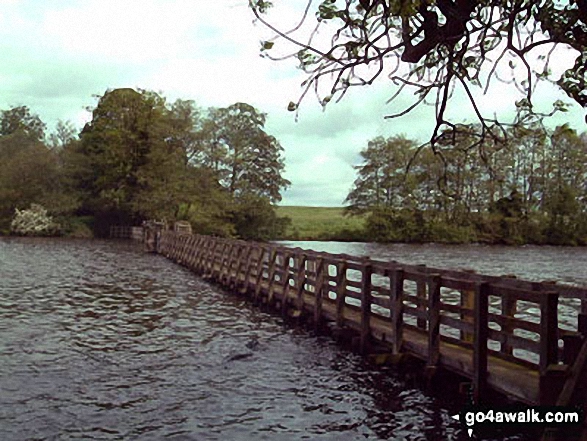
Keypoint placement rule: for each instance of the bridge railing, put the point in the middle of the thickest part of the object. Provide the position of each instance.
(427, 311)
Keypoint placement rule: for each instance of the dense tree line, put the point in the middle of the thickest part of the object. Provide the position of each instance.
(529, 188)
(141, 157)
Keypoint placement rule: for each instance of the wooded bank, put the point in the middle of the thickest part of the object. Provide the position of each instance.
(500, 332)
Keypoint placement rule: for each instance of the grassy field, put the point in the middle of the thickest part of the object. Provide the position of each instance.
(321, 223)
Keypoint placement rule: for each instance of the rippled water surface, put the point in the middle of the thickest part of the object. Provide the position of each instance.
(535, 263)
(99, 340)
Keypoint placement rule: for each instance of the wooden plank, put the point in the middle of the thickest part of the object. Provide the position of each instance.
(415, 312)
(512, 379)
(528, 295)
(481, 305)
(467, 302)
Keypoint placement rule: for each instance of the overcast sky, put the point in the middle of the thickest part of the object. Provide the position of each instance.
(55, 55)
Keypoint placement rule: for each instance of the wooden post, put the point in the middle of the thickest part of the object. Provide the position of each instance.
(548, 330)
(301, 282)
(235, 252)
(397, 309)
(209, 264)
(582, 318)
(552, 375)
(193, 246)
(366, 300)
(421, 294)
(434, 320)
(340, 292)
(467, 302)
(318, 293)
(508, 309)
(233, 271)
(247, 281)
(225, 258)
(200, 258)
(271, 275)
(217, 261)
(285, 284)
(481, 310)
(260, 271)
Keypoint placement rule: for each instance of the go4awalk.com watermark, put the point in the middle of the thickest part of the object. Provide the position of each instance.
(485, 419)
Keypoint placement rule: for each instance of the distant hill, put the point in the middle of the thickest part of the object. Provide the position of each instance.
(321, 223)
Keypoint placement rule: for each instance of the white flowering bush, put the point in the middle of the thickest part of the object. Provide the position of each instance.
(33, 222)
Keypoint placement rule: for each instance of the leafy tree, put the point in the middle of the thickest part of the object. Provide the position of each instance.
(255, 219)
(565, 188)
(29, 173)
(246, 158)
(126, 127)
(211, 211)
(65, 133)
(529, 187)
(430, 47)
(186, 129)
(382, 179)
(20, 119)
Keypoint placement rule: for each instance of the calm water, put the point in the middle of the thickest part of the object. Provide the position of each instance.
(99, 340)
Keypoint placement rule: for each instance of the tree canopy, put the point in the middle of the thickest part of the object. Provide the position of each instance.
(142, 157)
(431, 47)
(530, 189)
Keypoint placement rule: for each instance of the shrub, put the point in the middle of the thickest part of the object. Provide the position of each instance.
(33, 222)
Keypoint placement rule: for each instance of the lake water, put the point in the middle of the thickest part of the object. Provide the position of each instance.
(99, 340)
(535, 263)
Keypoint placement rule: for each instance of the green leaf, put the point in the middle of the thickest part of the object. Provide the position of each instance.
(292, 106)
(266, 45)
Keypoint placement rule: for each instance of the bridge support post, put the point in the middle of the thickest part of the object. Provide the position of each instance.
(421, 294)
(434, 320)
(480, 341)
(366, 300)
(397, 310)
(340, 293)
(318, 293)
(548, 330)
(582, 319)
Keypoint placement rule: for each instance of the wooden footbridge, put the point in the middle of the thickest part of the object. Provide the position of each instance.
(500, 332)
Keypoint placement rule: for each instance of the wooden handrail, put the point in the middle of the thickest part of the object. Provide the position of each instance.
(390, 303)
